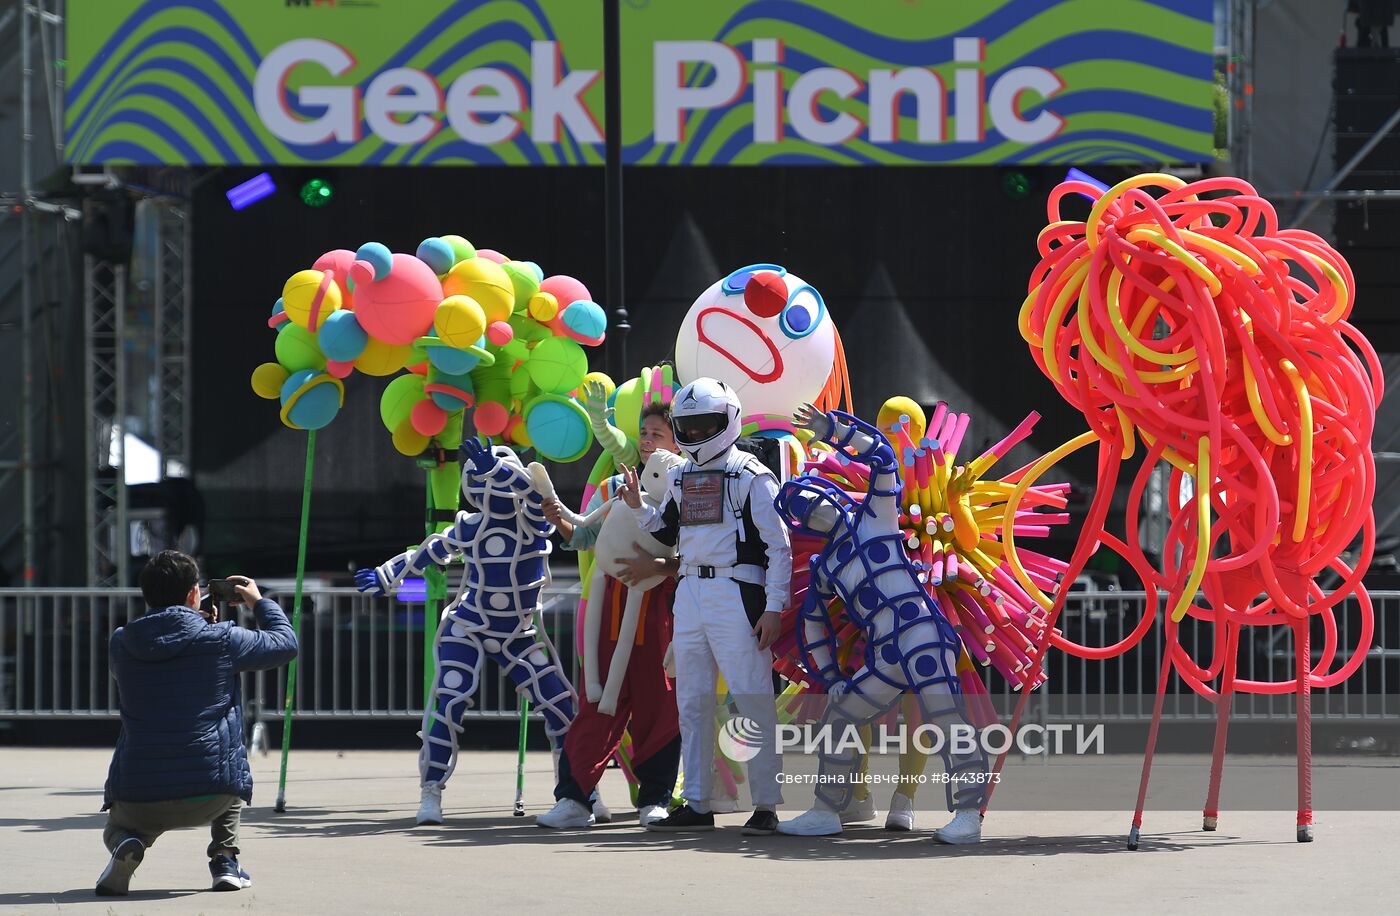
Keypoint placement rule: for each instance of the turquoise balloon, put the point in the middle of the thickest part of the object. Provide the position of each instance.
(586, 319)
(451, 360)
(378, 255)
(449, 402)
(318, 403)
(557, 428)
(341, 338)
(437, 254)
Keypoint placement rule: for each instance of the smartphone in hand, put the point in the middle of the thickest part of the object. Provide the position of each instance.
(223, 592)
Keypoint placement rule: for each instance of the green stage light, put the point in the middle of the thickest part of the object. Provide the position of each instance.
(317, 192)
(1016, 184)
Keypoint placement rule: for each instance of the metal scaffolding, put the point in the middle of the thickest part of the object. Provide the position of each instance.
(104, 352)
(172, 338)
(44, 312)
(33, 267)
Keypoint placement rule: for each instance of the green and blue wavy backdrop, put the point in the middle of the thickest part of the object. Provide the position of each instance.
(171, 81)
(1137, 74)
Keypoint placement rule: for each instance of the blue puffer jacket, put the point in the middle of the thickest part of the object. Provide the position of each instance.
(182, 712)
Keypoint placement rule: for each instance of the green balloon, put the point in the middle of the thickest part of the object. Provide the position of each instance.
(296, 349)
(462, 249)
(397, 401)
(557, 365)
(527, 329)
(524, 281)
(522, 386)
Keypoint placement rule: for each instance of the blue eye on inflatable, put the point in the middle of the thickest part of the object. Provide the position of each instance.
(803, 313)
(733, 285)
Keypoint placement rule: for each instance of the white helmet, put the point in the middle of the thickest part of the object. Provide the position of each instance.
(705, 419)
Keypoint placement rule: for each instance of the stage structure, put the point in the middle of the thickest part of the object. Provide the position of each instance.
(57, 226)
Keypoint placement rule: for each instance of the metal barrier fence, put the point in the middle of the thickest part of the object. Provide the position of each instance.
(362, 658)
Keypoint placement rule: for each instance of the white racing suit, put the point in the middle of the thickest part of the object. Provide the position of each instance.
(731, 572)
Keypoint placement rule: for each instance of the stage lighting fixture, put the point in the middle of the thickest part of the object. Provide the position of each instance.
(250, 191)
(1015, 184)
(317, 192)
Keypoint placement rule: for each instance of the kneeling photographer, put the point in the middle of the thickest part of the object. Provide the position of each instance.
(180, 760)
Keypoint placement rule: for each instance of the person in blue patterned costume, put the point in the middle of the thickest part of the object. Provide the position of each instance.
(504, 541)
(909, 645)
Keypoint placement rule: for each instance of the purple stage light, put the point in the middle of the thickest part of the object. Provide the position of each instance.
(412, 590)
(1076, 175)
(250, 191)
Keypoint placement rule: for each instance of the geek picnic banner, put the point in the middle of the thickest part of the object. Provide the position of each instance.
(705, 82)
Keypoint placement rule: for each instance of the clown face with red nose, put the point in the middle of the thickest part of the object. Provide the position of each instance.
(766, 334)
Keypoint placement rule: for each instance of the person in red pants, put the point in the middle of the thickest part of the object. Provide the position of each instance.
(647, 701)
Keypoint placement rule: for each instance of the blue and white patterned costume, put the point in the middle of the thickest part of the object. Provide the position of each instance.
(909, 645)
(505, 545)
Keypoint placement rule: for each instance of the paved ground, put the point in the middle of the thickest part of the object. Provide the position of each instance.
(347, 845)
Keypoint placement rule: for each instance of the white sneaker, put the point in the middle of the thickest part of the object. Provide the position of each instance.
(859, 810)
(602, 814)
(817, 822)
(724, 805)
(430, 808)
(964, 829)
(650, 814)
(901, 816)
(566, 814)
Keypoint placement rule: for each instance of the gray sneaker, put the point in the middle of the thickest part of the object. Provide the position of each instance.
(116, 878)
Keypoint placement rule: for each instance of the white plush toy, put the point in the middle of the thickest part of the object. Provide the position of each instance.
(618, 539)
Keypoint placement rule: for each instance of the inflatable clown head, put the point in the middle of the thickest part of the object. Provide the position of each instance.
(763, 332)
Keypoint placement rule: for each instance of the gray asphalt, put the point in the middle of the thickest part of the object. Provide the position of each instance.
(347, 844)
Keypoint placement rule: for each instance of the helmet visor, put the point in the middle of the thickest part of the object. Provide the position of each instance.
(697, 428)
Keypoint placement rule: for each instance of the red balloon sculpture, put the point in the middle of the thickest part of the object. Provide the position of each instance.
(1187, 319)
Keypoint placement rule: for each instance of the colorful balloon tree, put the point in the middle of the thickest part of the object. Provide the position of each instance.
(1183, 316)
(472, 327)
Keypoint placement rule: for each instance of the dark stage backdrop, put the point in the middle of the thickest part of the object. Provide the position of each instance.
(924, 270)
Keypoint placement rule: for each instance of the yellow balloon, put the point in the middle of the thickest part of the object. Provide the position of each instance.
(460, 321)
(543, 306)
(408, 440)
(517, 434)
(901, 406)
(268, 379)
(603, 379)
(486, 282)
(382, 359)
(299, 295)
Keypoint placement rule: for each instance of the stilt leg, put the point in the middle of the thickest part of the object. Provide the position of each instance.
(1210, 815)
(1152, 736)
(1301, 631)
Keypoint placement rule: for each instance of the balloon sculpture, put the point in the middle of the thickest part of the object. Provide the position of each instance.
(473, 328)
(1188, 319)
(766, 333)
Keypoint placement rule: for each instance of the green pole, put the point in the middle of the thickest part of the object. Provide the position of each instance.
(524, 727)
(435, 586)
(296, 622)
(520, 758)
